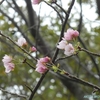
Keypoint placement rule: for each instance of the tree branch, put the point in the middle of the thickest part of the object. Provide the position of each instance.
(55, 11)
(63, 28)
(89, 52)
(15, 24)
(37, 86)
(80, 40)
(22, 96)
(18, 46)
(43, 48)
(20, 12)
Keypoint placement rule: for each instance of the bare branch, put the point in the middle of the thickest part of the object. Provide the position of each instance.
(37, 86)
(55, 11)
(20, 12)
(63, 28)
(89, 52)
(18, 46)
(22, 96)
(19, 29)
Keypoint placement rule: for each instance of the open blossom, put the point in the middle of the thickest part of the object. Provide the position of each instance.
(62, 44)
(41, 65)
(70, 34)
(21, 42)
(69, 49)
(41, 68)
(36, 1)
(7, 61)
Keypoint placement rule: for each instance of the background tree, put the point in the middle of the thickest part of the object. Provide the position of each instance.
(18, 18)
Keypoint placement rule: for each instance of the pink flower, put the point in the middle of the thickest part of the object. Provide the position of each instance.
(41, 68)
(21, 42)
(70, 34)
(9, 67)
(69, 49)
(36, 1)
(62, 44)
(41, 65)
(33, 49)
(7, 61)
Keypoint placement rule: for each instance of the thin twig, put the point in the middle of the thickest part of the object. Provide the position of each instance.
(28, 87)
(22, 96)
(18, 46)
(80, 40)
(87, 51)
(62, 58)
(55, 10)
(28, 64)
(78, 80)
(63, 28)
(37, 86)
(19, 11)
(82, 81)
(15, 24)
(60, 7)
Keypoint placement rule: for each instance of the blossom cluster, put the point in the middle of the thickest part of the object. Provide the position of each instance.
(64, 43)
(7, 60)
(41, 65)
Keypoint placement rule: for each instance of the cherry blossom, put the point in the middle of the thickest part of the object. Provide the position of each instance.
(7, 61)
(21, 42)
(9, 67)
(41, 65)
(69, 49)
(41, 68)
(70, 34)
(62, 44)
(36, 1)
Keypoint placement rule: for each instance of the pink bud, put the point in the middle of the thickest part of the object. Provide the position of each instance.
(33, 49)
(36, 1)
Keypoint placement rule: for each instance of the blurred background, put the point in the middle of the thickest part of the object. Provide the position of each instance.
(41, 26)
